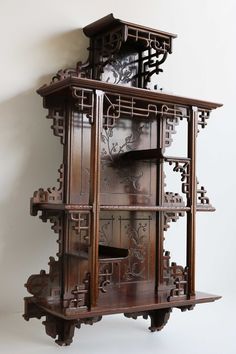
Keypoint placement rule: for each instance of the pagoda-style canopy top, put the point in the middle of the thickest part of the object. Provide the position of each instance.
(121, 52)
(109, 23)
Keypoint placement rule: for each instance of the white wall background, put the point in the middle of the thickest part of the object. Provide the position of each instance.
(38, 38)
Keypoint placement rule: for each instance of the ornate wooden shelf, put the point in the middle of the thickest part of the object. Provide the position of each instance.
(79, 207)
(112, 208)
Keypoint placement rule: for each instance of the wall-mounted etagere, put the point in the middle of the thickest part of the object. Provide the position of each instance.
(111, 209)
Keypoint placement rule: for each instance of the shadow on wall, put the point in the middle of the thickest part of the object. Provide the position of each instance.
(30, 157)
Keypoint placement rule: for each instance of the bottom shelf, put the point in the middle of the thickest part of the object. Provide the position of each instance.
(125, 304)
(61, 327)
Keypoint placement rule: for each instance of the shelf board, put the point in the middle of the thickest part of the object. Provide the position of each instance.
(86, 207)
(125, 303)
(105, 254)
(139, 93)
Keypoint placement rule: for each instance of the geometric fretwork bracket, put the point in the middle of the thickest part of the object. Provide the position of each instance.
(180, 276)
(81, 225)
(203, 116)
(80, 297)
(182, 166)
(175, 277)
(82, 70)
(202, 199)
(173, 200)
(84, 101)
(58, 126)
(171, 114)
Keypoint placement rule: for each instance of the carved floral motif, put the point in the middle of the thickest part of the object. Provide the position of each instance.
(111, 153)
(137, 235)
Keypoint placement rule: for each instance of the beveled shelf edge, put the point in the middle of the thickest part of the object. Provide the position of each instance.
(199, 298)
(108, 21)
(136, 92)
(78, 207)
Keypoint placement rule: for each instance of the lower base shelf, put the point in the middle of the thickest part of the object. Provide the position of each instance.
(143, 303)
(61, 327)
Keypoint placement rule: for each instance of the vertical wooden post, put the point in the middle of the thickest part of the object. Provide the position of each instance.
(192, 200)
(94, 194)
(159, 202)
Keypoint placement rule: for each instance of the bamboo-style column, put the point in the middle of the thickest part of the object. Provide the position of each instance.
(94, 193)
(192, 200)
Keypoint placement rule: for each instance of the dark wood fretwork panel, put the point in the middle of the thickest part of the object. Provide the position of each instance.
(113, 208)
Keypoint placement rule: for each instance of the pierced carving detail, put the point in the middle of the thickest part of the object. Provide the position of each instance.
(180, 276)
(81, 225)
(105, 275)
(117, 105)
(57, 114)
(82, 70)
(182, 166)
(203, 116)
(175, 277)
(80, 299)
(203, 200)
(171, 116)
(172, 199)
(84, 101)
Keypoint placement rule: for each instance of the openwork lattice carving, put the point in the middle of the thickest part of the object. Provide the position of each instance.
(171, 115)
(81, 225)
(180, 276)
(175, 278)
(51, 195)
(202, 199)
(117, 105)
(84, 101)
(82, 70)
(203, 116)
(154, 49)
(182, 166)
(173, 200)
(106, 272)
(58, 126)
(80, 298)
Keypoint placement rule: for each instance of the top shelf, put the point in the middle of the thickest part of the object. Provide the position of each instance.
(61, 87)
